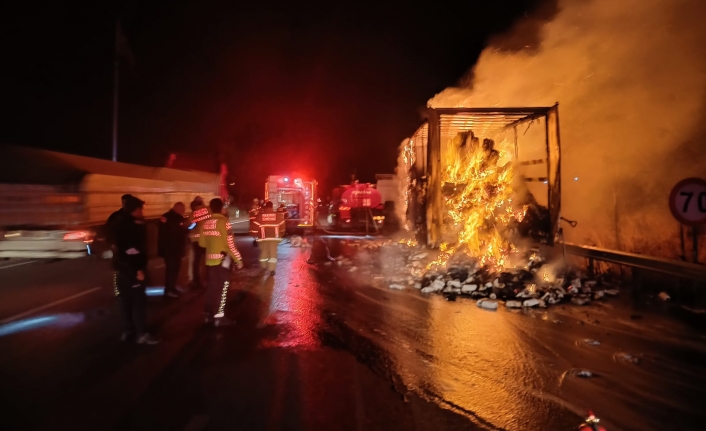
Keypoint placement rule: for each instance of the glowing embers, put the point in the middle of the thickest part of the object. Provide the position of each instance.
(55, 320)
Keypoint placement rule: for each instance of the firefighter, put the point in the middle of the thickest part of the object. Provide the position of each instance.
(199, 214)
(170, 245)
(221, 256)
(253, 215)
(131, 264)
(271, 226)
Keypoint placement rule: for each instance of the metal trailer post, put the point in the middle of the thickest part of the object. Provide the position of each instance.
(434, 210)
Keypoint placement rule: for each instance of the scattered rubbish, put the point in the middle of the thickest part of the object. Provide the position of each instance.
(664, 296)
(584, 374)
(295, 241)
(468, 288)
(578, 300)
(419, 256)
(530, 284)
(487, 304)
(626, 358)
(591, 342)
(436, 286)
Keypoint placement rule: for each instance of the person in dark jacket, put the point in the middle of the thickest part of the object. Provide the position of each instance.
(130, 265)
(112, 222)
(109, 232)
(170, 245)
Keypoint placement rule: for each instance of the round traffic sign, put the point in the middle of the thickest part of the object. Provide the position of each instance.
(687, 201)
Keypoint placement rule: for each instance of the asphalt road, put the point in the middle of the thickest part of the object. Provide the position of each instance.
(314, 349)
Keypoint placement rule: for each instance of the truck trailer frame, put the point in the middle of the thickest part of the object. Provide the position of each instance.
(425, 208)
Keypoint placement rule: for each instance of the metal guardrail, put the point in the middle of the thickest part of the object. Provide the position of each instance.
(679, 269)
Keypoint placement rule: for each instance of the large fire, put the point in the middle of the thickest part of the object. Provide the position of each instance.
(477, 190)
(405, 161)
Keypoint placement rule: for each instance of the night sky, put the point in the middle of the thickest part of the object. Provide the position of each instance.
(319, 88)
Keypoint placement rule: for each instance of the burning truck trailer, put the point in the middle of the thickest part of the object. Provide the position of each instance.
(479, 179)
(482, 186)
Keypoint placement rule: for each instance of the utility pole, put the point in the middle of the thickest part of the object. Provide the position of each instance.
(116, 68)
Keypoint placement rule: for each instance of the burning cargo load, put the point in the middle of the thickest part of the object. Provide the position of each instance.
(486, 195)
(480, 214)
(477, 182)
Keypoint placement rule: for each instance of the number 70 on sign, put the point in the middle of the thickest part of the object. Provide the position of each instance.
(687, 201)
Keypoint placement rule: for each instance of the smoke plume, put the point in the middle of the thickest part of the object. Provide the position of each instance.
(630, 78)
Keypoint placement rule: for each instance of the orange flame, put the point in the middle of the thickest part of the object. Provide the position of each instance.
(478, 199)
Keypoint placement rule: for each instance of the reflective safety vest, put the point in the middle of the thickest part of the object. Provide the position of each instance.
(217, 239)
(254, 231)
(270, 226)
(196, 219)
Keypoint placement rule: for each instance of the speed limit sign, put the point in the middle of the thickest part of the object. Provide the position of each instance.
(687, 201)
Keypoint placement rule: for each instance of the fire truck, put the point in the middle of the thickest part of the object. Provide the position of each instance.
(356, 207)
(297, 196)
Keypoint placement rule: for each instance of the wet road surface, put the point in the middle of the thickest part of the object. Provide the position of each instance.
(315, 348)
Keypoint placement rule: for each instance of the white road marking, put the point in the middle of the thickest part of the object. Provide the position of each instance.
(16, 264)
(44, 307)
(241, 221)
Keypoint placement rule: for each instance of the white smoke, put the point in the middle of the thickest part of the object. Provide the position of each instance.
(630, 79)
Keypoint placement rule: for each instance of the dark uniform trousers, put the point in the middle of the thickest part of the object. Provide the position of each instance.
(217, 290)
(172, 265)
(133, 302)
(199, 255)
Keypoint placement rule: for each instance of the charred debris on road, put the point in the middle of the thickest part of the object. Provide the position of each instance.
(401, 265)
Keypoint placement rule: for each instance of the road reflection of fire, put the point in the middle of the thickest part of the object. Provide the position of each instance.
(470, 347)
(293, 302)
